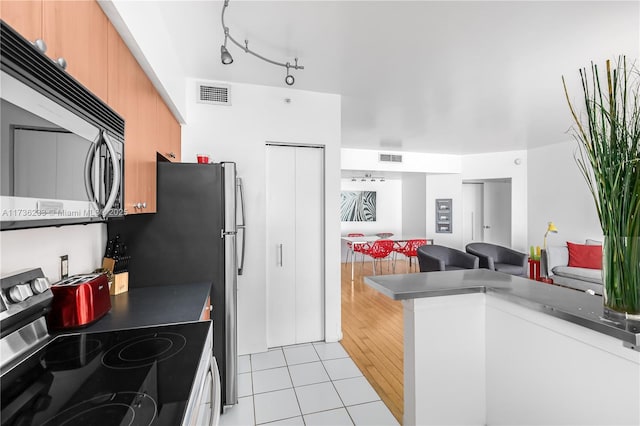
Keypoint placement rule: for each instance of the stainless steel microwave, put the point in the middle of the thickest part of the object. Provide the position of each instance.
(61, 147)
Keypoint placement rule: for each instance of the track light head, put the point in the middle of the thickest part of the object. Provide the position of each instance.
(225, 56)
(289, 78)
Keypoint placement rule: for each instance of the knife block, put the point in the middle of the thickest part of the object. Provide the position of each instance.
(120, 281)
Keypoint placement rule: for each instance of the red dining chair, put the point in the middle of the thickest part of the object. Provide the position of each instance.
(353, 249)
(379, 249)
(409, 249)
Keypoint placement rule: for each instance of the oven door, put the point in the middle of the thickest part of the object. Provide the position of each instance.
(204, 406)
(208, 406)
(57, 168)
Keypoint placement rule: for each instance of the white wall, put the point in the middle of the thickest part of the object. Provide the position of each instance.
(42, 248)
(559, 193)
(388, 208)
(445, 186)
(364, 159)
(414, 205)
(499, 165)
(239, 133)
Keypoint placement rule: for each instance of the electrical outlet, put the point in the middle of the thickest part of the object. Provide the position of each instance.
(64, 266)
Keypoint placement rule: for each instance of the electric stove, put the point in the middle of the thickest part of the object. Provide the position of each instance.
(143, 376)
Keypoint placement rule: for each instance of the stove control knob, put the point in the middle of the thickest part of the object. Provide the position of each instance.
(40, 285)
(20, 293)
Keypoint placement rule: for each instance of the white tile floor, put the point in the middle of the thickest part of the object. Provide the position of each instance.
(312, 384)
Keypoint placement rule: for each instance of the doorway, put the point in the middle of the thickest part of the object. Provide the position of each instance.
(486, 211)
(295, 244)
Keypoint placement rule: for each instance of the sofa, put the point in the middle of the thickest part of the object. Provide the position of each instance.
(554, 263)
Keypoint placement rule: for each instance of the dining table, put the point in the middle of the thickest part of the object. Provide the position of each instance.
(366, 239)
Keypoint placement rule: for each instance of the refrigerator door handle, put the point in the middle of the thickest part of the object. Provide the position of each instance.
(241, 226)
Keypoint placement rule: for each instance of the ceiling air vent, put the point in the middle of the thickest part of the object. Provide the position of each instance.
(219, 94)
(391, 158)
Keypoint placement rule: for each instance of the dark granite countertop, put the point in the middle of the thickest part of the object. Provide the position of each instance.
(568, 304)
(147, 306)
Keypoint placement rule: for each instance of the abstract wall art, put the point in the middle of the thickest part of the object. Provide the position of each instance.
(358, 206)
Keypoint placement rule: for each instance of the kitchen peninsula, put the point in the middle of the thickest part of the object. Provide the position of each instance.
(482, 347)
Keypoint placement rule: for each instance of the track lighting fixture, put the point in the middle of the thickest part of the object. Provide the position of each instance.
(227, 59)
(367, 177)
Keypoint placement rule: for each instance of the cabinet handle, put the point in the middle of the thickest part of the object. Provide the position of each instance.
(144, 205)
(171, 155)
(62, 63)
(280, 255)
(40, 45)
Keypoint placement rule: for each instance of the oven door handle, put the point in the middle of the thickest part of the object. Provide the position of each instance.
(116, 176)
(216, 393)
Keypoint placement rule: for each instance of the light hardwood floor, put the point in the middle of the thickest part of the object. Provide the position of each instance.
(373, 333)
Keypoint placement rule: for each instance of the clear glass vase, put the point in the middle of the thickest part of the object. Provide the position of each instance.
(621, 276)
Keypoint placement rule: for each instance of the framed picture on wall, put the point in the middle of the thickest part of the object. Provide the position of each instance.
(358, 206)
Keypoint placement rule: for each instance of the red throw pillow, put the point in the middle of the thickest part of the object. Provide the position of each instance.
(585, 256)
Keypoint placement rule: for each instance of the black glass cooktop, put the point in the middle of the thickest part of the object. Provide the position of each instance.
(131, 377)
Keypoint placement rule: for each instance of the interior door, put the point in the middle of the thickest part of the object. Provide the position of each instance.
(309, 231)
(497, 213)
(280, 250)
(472, 213)
(295, 251)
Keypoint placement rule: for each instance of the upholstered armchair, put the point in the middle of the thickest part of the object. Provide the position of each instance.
(498, 258)
(441, 258)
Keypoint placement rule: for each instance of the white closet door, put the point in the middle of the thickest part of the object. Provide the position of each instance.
(280, 250)
(295, 251)
(309, 245)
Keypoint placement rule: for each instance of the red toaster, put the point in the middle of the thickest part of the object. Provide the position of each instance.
(78, 301)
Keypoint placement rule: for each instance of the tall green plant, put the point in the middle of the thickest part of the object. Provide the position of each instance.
(608, 134)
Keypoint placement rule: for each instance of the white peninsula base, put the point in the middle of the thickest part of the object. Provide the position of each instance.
(477, 359)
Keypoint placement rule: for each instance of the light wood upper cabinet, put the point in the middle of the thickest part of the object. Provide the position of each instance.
(77, 32)
(149, 140)
(169, 133)
(23, 16)
(132, 95)
(73, 30)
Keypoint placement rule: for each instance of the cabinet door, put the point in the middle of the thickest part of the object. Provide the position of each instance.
(77, 31)
(123, 77)
(23, 16)
(280, 251)
(169, 133)
(148, 140)
(133, 96)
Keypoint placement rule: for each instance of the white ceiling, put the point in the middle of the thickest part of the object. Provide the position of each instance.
(427, 76)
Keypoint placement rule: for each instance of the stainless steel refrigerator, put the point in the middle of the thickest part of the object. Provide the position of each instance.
(197, 235)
